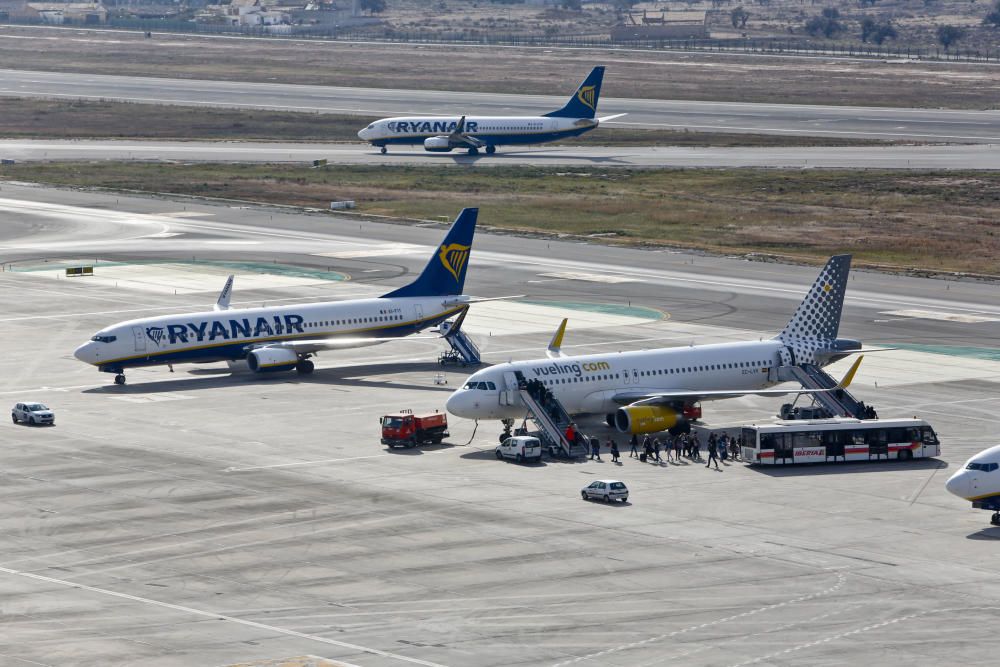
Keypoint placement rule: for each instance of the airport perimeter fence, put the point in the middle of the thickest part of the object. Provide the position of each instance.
(766, 46)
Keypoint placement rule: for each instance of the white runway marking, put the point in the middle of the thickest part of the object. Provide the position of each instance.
(590, 277)
(325, 461)
(217, 616)
(942, 316)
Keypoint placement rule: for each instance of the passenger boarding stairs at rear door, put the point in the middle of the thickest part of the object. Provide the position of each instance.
(461, 344)
(839, 403)
(551, 419)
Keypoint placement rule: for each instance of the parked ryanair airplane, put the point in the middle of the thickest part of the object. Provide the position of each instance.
(443, 134)
(978, 481)
(281, 338)
(655, 390)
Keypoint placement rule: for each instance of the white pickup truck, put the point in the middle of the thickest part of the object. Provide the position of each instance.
(520, 448)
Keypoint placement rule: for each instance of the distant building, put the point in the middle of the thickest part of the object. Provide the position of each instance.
(666, 25)
(57, 13)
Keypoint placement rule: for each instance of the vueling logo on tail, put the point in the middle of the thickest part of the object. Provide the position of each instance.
(453, 257)
(586, 95)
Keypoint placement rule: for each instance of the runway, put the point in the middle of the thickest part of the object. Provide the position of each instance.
(918, 125)
(945, 157)
(204, 517)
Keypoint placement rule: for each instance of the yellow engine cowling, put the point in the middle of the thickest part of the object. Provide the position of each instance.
(650, 418)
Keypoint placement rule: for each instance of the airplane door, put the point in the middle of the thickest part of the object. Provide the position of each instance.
(509, 395)
(418, 311)
(627, 376)
(140, 339)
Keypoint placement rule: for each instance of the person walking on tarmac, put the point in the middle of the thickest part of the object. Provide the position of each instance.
(614, 450)
(571, 433)
(713, 455)
(656, 450)
(635, 447)
(595, 449)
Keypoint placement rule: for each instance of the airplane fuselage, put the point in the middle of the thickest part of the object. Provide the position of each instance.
(228, 335)
(491, 130)
(597, 383)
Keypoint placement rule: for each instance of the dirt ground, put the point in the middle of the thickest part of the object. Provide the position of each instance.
(640, 74)
(935, 221)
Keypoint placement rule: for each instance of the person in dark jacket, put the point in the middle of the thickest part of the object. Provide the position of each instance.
(595, 449)
(635, 447)
(614, 451)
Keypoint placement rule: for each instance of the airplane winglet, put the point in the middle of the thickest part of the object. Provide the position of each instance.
(555, 345)
(227, 292)
(849, 376)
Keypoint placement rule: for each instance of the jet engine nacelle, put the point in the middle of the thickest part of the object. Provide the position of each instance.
(271, 359)
(650, 418)
(438, 144)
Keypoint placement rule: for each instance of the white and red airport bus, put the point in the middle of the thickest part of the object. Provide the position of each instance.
(823, 440)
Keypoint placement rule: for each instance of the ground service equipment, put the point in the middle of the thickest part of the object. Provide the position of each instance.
(409, 430)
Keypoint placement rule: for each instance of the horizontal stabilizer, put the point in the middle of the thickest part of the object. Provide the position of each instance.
(607, 118)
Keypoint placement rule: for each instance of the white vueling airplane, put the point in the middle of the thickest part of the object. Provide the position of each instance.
(442, 134)
(655, 390)
(979, 481)
(281, 338)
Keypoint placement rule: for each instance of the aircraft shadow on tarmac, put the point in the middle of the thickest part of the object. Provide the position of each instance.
(342, 377)
(516, 156)
(850, 468)
(991, 533)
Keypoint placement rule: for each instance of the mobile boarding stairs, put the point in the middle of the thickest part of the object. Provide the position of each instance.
(547, 414)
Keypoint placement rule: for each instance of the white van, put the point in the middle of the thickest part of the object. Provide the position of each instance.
(520, 448)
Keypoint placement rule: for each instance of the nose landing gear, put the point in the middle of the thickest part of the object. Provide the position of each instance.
(995, 519)
(384, 150)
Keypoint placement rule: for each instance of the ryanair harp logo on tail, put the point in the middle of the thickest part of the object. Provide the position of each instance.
(586, 95)
(453, 257)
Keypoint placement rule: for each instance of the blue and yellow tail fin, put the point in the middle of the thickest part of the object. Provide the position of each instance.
(444, 274)
(583, 104)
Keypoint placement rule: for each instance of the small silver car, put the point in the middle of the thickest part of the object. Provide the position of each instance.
(32, 413)
(606, 490)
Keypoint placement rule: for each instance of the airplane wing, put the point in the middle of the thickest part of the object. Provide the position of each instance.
(320, 344)
(635, 398)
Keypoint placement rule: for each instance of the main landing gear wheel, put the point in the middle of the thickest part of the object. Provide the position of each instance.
(305, 367)
(490, 150)
(473, 151)
(120, 378)
(384, 150)
(995, 520)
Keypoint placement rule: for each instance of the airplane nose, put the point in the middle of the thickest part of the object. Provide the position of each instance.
(958, 484)
(85, 353)
(363, 134)
(458, 405)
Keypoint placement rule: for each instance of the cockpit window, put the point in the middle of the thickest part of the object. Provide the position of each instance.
(983, 467)
(104, 339)
(483, 386)
(371, 126)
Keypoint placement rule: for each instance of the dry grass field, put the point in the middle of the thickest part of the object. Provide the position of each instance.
(81, 119)
(936, 221)
(652, 74)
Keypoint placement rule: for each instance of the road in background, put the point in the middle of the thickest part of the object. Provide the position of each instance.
(920, 125)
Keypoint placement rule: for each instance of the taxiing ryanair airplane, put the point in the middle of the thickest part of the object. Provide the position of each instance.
(979, 481)
(656, 390)
(443, 134)
(281, 338)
